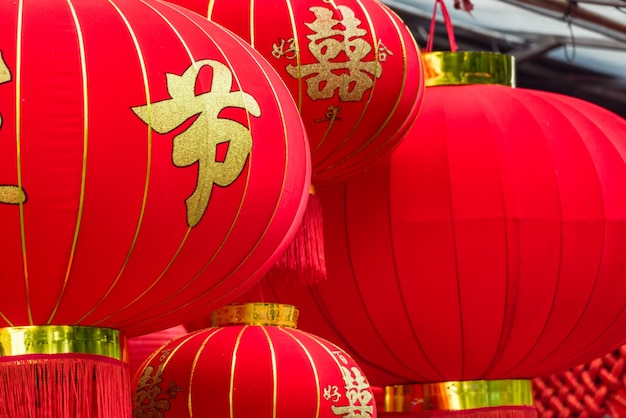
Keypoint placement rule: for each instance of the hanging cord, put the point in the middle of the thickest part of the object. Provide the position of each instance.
(447, 21)
(571, 4)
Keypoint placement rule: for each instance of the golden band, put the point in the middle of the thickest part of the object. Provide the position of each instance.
(461, 68)
(460, 395)
(312, 189)
(63, 339)
(276, 314)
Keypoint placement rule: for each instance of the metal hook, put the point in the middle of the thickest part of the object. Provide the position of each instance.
(571, 5)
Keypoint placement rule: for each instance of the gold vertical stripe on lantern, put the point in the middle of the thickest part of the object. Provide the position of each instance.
(18, 141)
(316, 375)
(83, 177)
(146, 88)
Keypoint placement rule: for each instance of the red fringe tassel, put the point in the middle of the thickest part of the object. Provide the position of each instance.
(304, 258)
(64, 386)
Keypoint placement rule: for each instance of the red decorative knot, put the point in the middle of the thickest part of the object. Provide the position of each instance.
(595, 389)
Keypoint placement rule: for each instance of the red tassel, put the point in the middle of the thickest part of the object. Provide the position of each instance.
(493, 412)
(64, 386)
(304, 257)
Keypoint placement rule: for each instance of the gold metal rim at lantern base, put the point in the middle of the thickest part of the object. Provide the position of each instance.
(273, 314)
(63, 339)
(459, 395)
(444, 68)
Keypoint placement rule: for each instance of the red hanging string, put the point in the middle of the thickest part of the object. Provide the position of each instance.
(447, 21)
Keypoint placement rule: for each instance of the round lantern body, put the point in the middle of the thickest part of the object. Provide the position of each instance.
(352, 67)
(254, 363)
(489, 246)
(152, 164)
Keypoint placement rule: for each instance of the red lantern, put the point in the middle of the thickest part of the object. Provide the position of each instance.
(490, 245)
(254, 362)
(352, 67)
(357, 77)
(153, 166)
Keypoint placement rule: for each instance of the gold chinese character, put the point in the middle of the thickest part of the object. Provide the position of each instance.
(340, 356)
(332, 393)
(331, 115)
(173, 389)
(383, 51)
(198, 143)
(332, 37)
(357, 394)
(278, 50)
(148, 390)
(164, 355)
(10, 194)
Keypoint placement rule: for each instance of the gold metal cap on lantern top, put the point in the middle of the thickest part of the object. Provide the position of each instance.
(459, 395)
(63, 339)
(276, 314)
(469, 67)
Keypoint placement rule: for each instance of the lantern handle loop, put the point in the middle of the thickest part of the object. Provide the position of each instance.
(447, 21)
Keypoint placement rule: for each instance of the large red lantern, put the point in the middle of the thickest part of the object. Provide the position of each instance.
(352, 67)
(153, 166)
(357, 77)
(489, 246)
(254, 362)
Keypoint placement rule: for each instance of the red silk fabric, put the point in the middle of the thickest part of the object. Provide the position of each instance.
(142, 347)
(252, 371)
(152, 165)
(352, 67)
(489, 246)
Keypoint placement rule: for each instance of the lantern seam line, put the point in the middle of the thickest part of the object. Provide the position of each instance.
(295, 334)
(142, 65)
(194, 364)
(81, 199)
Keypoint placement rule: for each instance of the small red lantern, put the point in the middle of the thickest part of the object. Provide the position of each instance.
(489, 246)
(253, 362)
(152, 167)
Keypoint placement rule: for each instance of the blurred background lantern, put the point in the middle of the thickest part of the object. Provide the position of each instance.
(253, 362)
(153, 165)
(489, 246)
(356, 75)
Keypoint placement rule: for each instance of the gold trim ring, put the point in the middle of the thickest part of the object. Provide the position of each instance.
(276, 314)
(474, 394)
(470, 67)
(459, 395)
(63, 339)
